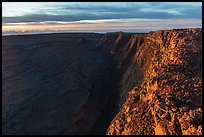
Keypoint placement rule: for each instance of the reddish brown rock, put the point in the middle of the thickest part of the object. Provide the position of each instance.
(163, 68)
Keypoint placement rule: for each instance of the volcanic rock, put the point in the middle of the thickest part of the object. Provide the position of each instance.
(173, 60)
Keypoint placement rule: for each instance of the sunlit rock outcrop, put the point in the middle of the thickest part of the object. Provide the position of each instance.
(161, 84)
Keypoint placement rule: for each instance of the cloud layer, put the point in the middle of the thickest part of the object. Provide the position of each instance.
(126, 14)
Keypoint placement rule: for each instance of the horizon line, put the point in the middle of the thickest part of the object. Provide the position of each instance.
(88, 31)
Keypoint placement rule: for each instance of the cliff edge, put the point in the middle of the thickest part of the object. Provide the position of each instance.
(161, 82)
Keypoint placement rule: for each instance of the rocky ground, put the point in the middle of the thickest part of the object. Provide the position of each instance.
(162, 84)
(143, 84)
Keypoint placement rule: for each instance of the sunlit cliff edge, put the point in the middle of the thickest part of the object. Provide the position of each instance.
(161, 82)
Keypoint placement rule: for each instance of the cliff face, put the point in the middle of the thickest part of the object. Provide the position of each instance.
(161, 82)
(122, 45)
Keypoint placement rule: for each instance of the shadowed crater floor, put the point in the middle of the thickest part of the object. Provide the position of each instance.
(56, 84)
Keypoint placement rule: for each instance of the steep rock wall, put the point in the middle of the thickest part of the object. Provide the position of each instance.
(161, 81)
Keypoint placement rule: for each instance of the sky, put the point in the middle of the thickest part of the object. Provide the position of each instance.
(39, 17)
